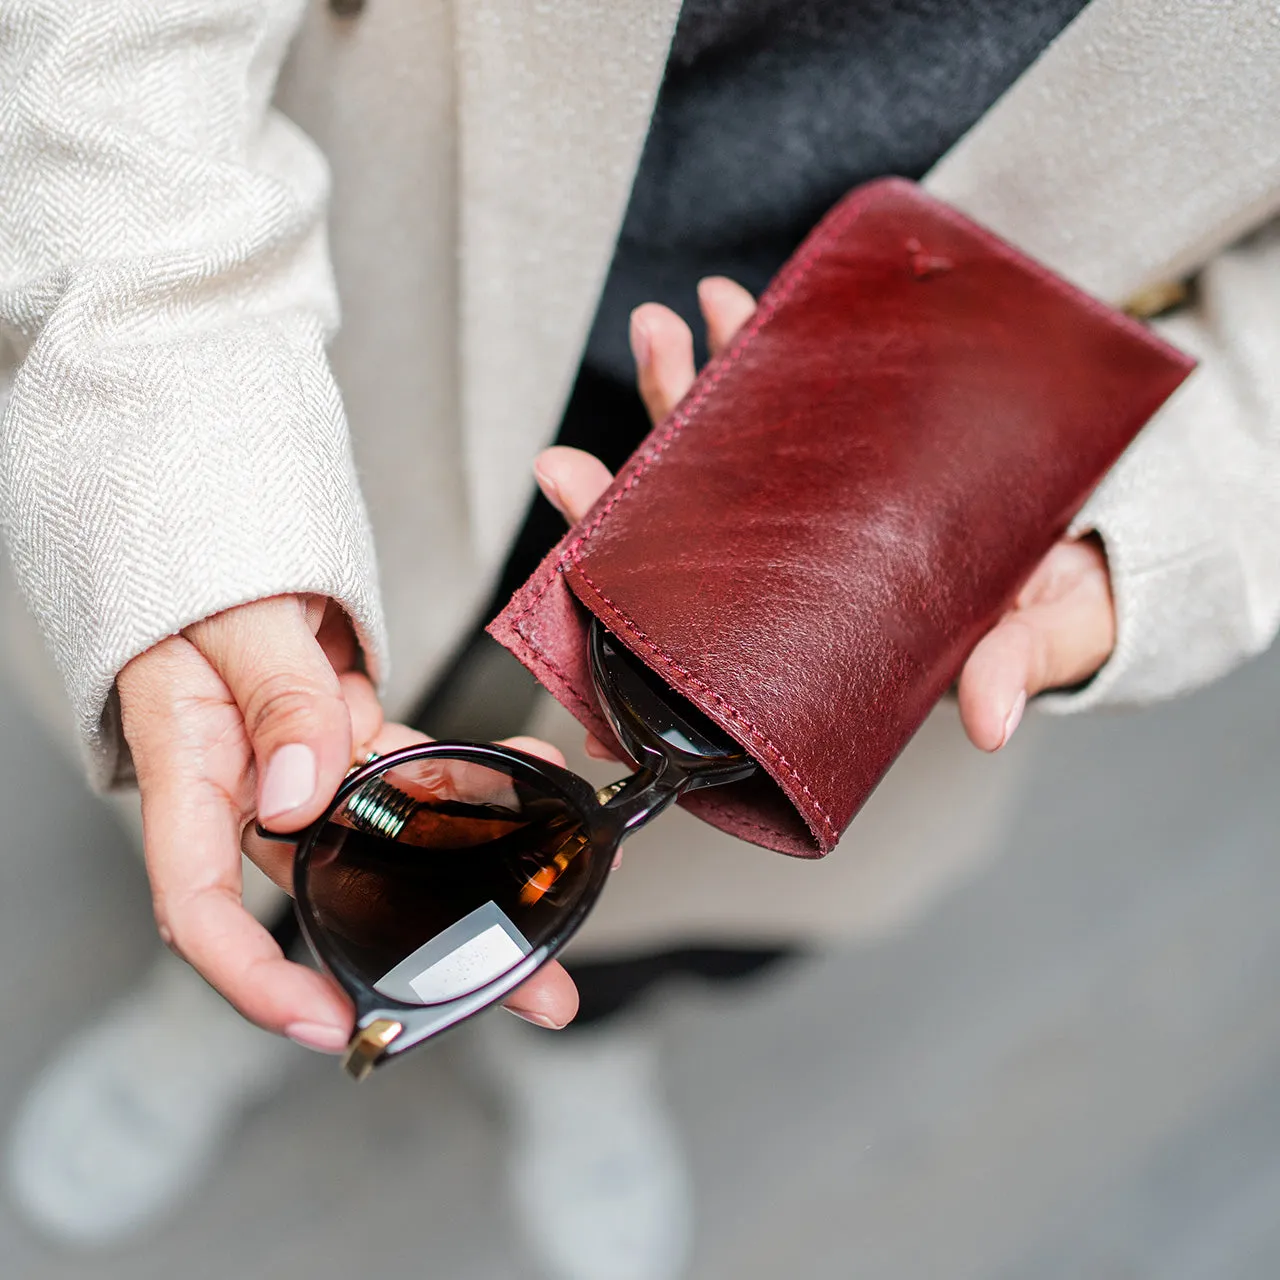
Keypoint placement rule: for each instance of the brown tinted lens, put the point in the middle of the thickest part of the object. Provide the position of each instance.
(439, 875)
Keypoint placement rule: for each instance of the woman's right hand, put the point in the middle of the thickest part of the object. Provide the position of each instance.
(257, 713)
(254, 711)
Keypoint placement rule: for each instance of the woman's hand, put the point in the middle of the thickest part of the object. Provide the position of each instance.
(1062, 627)
(258, 712)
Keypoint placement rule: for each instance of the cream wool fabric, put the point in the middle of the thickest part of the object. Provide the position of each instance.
(174, 441)
(175, 210)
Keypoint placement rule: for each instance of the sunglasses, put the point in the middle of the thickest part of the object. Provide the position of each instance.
(443, 875)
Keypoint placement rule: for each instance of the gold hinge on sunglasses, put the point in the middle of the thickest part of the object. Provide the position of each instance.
(368, 1045)
(605, 794)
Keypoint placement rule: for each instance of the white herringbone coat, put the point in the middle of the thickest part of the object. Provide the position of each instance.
(188, 427)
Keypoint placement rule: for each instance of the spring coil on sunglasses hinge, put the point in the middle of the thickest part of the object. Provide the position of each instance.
(379, 809)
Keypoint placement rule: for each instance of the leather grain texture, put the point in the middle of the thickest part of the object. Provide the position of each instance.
(847, 500)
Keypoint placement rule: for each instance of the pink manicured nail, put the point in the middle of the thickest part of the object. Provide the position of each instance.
(317, 1036)
(640, 344)
(538, 1019)
(290, 780)
(1014, 718)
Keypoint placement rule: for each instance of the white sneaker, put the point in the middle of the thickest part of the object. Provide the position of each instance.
(595, 1171)
(130, 1116)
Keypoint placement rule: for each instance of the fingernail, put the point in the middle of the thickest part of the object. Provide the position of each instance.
(317, 1036)
(550, 490)
(1014, 718)
(538, 1019)
(640, 345)
(290, 780)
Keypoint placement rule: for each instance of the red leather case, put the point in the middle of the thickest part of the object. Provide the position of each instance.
(846, 501)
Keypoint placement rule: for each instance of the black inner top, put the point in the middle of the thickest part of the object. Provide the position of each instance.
(770, 110)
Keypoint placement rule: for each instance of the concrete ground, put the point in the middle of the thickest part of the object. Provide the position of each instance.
(1070, 1069)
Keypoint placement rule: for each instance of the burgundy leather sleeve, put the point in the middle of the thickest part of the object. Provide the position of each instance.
(846, 501)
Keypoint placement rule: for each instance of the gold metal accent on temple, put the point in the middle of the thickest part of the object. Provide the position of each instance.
(368, 1045)
(605, 794)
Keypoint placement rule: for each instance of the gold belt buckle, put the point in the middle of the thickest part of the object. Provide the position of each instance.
(1156, 299)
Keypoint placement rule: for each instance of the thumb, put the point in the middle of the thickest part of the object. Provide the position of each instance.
(571, 480)
(291, 700)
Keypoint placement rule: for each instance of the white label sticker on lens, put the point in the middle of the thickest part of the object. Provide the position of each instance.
(465, 957)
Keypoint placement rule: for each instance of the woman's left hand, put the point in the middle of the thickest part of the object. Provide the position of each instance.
(1061, 629)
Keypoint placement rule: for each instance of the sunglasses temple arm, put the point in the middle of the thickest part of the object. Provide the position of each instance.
(637, 800)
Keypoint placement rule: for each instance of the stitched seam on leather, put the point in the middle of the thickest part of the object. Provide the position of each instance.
(726, 811)
(729, 814)
(542, 657)
(758, 735)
